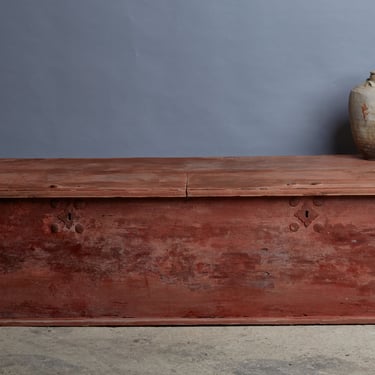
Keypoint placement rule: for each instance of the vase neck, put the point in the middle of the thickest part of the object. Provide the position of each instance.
(371, 80)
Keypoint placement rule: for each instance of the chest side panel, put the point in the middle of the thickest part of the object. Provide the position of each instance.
(186, 261)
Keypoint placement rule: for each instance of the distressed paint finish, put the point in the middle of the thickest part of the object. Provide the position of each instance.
(332, 175)
(255, 260)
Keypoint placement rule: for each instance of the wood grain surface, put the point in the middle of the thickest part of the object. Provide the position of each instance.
(249, 260)
(332, 175)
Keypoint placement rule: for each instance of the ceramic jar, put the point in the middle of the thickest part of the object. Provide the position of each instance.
(362, 116)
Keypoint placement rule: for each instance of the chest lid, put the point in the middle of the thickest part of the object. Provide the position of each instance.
(187, 177)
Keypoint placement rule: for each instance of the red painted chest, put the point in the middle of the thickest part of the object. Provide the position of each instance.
(187, 241)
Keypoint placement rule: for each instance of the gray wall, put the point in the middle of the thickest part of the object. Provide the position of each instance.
(86, 78)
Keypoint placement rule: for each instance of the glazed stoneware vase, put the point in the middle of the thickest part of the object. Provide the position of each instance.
(362, 116)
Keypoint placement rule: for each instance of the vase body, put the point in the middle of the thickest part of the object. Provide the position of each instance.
(362, 116)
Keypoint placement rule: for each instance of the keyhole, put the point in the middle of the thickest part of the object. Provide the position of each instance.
(69, 216)
(307, 213)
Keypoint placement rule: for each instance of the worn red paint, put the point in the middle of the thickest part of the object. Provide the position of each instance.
(187, 241)
(178, 261)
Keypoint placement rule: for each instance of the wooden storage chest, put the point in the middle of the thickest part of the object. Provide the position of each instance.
(153, 241)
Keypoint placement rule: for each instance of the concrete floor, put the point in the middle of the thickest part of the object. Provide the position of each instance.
(309, 350)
